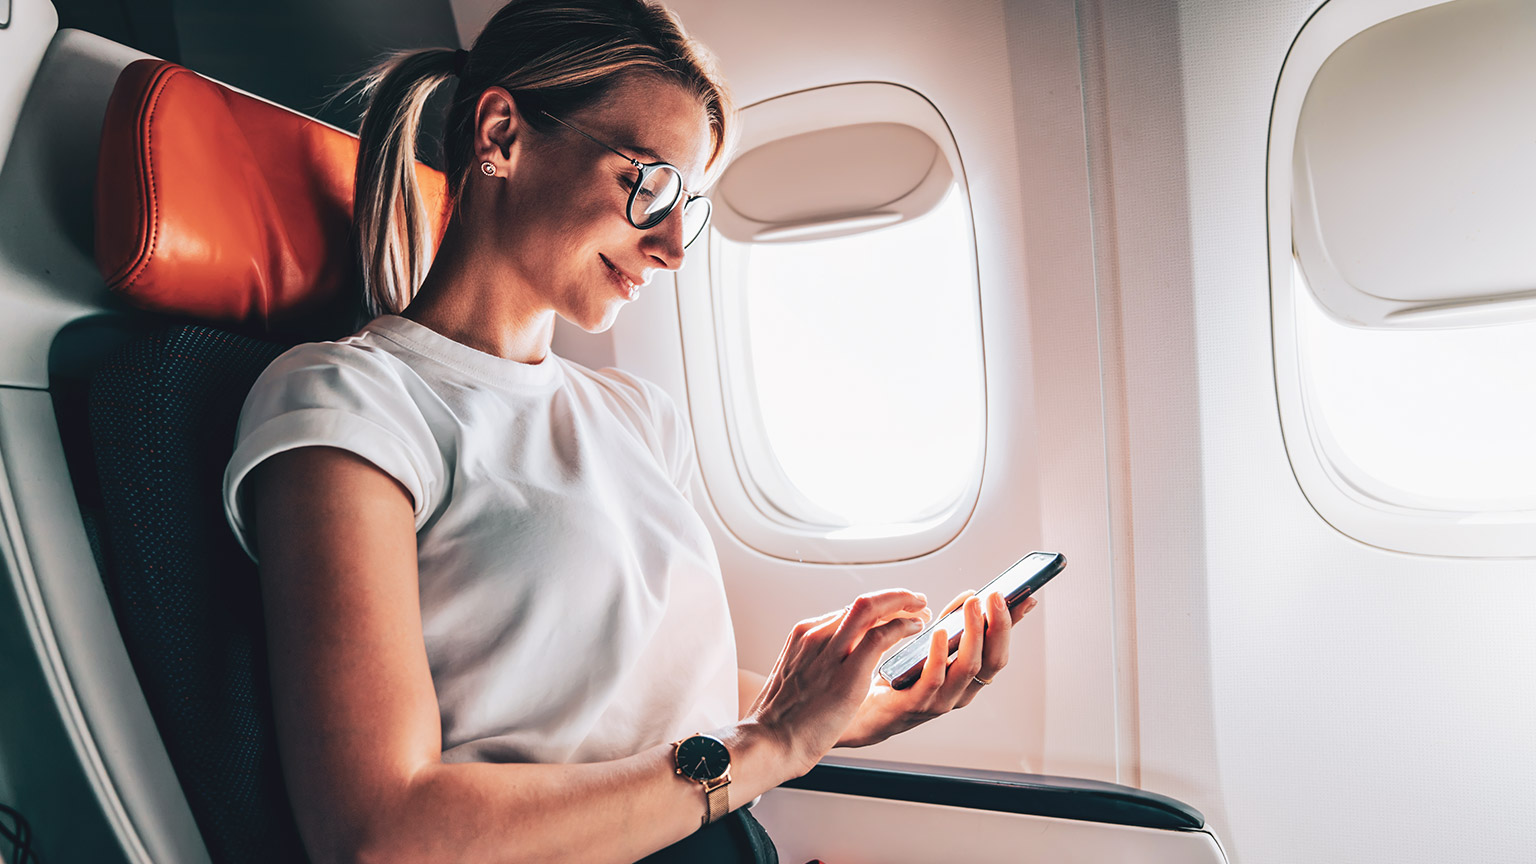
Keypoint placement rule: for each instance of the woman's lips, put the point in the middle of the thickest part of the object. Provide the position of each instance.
(627, 286)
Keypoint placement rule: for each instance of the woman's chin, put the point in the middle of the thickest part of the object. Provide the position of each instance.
(597, 320)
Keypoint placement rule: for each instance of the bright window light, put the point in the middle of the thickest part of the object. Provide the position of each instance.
(854, 369)
(1445, 417)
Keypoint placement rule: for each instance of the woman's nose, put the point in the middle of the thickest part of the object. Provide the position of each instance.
(665, 241)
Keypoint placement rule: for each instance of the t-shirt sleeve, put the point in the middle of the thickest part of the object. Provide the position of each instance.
(334, 395)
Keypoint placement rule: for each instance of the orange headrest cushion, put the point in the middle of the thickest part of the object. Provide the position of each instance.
(220, 206)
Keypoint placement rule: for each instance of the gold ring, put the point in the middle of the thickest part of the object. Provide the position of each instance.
(982, 681)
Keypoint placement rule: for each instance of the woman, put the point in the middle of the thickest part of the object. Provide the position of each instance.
(494, 616)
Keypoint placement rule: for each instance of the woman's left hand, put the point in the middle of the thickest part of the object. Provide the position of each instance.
(944, 686)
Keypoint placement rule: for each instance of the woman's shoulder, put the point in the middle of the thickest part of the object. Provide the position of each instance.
(360, 381)
(356, 394)
(362, 360)
(363, 351)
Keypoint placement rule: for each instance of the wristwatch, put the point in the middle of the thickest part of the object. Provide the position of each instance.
(703, 758)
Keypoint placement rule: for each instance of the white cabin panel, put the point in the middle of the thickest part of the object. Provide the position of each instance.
(1364, 705)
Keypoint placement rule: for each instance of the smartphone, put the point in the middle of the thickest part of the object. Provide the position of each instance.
(1016, 584)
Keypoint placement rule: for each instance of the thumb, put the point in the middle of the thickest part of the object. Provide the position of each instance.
(881, 638)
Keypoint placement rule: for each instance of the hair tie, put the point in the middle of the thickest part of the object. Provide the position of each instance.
(460, 58)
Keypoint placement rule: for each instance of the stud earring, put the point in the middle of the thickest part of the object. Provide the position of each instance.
(487, 168)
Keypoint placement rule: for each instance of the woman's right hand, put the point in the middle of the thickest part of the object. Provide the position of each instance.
(823, 673)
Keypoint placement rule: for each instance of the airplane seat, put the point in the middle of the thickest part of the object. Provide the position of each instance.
(218, 206)
(144, 285)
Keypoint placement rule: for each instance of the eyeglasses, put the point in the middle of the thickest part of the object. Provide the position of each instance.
(655, 193)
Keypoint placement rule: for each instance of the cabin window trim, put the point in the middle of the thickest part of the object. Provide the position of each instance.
(749, 503)
(1374, 516)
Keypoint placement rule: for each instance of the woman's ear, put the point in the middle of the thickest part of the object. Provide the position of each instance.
(497, 127)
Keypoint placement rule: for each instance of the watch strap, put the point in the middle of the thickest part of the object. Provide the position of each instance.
(719, 800)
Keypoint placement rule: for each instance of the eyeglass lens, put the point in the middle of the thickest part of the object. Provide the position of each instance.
(659, 190)
(695, 217)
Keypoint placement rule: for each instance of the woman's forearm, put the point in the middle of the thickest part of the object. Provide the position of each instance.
(616, 811)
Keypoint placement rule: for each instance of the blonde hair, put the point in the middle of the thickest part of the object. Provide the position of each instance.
(551, 55)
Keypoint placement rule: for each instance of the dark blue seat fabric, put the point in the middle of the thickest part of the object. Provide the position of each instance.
(162, 420)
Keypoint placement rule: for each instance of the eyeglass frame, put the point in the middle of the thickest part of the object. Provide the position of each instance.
(683, 198)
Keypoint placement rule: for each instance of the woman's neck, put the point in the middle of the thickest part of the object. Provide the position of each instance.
(487, 311)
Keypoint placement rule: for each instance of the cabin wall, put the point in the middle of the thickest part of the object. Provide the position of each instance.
(1215, 639)
(1320, 699)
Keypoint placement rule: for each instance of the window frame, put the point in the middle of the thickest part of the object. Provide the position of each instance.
(722, 437)
(1361, 510)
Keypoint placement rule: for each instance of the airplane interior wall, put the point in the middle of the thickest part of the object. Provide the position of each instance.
(1320, 699)
(1368, 705)
(1216, 639)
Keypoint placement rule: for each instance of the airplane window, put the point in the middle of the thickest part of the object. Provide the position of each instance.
(1404, 325)
(856, 380)
(1430, 418)
(832, 330)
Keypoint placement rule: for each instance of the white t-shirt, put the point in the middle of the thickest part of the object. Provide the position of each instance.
(571, 599)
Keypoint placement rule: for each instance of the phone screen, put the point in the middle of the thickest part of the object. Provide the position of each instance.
(1016, 584)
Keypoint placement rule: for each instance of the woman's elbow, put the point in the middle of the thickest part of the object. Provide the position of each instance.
(331, 846)
(372, 836)
(371, 847)
(404, 821)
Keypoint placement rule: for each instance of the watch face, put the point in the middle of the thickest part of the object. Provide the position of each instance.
(702, 758)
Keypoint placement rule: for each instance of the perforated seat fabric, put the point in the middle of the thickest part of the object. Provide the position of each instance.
(162, 419)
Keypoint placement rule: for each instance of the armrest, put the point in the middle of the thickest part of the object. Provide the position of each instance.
(1001, 791)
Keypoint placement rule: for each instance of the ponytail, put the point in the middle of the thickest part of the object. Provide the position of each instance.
(551, 55)
(393, 260)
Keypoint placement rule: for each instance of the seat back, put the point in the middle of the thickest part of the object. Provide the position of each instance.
(133, 725)
(213, 204)
(162, 418)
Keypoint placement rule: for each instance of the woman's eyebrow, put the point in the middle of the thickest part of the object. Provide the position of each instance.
(646, 154)
(644, 151)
